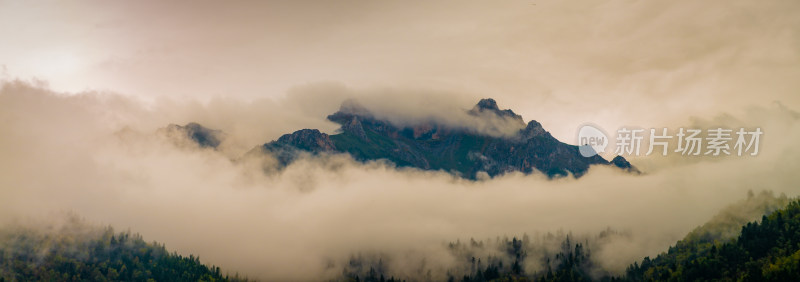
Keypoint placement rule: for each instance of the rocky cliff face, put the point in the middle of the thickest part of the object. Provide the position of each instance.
(433, 146)
(287, 147)
(622, 163)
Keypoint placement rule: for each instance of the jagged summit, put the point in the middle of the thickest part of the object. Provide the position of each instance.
(533, 129)
(309, 140)
(489, 105)
(484, 118)
(622, 163)
(432, 146)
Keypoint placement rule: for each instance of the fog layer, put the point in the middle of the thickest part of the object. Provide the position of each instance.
(97, 154)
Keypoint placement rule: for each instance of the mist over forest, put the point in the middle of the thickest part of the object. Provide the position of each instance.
(381, 141)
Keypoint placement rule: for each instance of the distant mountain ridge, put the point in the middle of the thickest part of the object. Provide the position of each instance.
(432, 145)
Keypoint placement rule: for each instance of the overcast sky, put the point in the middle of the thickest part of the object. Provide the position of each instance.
(614, 63)
(119, 70)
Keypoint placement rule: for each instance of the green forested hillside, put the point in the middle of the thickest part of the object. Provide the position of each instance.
(764, 251)
(732, 245)
(76, 252)
(726, 248)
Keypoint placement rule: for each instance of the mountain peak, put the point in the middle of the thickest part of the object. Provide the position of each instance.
(621, 162)
(487, 104)
(534, 128)
(307, 139)
(465, 152)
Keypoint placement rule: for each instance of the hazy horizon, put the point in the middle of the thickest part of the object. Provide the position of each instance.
(85, 87)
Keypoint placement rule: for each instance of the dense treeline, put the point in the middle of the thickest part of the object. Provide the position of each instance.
(548, 257)
(566, 257)
(569, 262)
(768, 250)
(764, 251)
(76, 252)
(731, 246)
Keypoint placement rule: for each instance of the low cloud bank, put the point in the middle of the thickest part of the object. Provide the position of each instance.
(96, 154)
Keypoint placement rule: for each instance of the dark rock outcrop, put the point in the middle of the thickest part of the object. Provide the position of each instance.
(622, 163)
(288, 146)
(489, 105)
(433, 146)
(307, 139)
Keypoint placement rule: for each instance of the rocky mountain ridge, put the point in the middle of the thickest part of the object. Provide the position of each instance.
(435, 146)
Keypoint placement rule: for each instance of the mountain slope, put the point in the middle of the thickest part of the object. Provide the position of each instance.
(78, 252)
(464, 151)
(763, 251)
(570, 257)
